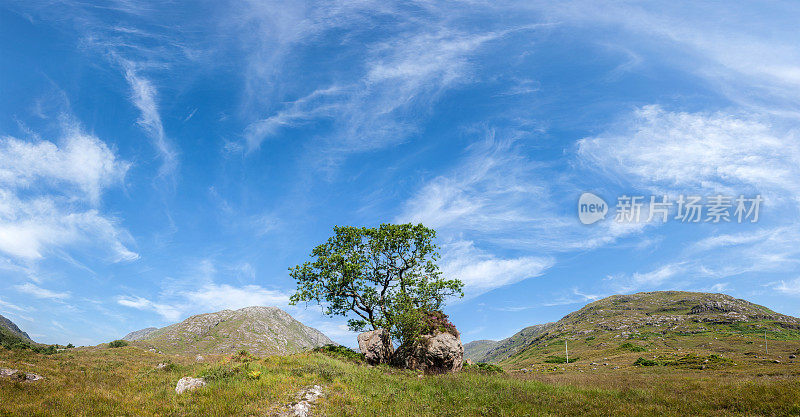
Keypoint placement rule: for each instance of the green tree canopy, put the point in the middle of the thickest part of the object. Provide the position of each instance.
(379, 274)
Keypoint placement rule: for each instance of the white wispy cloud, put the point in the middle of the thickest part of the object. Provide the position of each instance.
(200, 292)
(744, 50)
(205, 298)
(221, 296)
(378, 102)
(168, 312)
(704, 153)
(791, 287)
(81, 161)
(685, 152)
(9, 306)
(49, 193)
(143, 96)
(39, 292)
(481, 271)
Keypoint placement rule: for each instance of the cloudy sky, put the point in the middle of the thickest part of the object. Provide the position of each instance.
(162, 159)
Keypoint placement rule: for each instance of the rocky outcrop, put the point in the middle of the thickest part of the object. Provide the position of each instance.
(305, 402)
(436, 353)
(189, 384)
(376, 346)
(20, 376)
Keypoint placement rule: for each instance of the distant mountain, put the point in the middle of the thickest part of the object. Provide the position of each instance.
(477, 349)
(493, 351)
(675, 320)
(139, 334)
(10, 333)
(259, 330)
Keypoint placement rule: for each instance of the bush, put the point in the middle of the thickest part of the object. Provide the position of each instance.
(117, 344)
(633, 348)
(487, 368)
(411, 323)
(437, 321)
(20, 345)
(340, 352)
(242, 356)
(645, 362)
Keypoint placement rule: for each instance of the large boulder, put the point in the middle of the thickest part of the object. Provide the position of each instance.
(436, 353)
(189, 384)
(376, 346)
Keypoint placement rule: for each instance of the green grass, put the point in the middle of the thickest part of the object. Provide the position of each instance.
(645, 362)
(560, 359)
(632, 348)
(484, 367)
(125, 382)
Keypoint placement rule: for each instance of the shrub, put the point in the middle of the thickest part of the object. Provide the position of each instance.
(225, 371)
(242, 356)
(20, 345)
(340, 352)
(645, 362)
(633, 348)
(117, 344)
(488, 368)
(169, 367)
(437, 321)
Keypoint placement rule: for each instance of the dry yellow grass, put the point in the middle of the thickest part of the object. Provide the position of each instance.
(124, 382)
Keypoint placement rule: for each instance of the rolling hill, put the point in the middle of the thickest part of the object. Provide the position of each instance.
(259, 330)
(665, 324)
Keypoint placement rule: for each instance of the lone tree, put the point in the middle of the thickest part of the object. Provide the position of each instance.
(387, 276)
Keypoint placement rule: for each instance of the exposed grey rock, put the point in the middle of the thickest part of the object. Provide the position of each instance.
(376, 346)
(306, 400)
(189, 384)
(21, 376)
(437, 353)
(161, 366)
(199, 358)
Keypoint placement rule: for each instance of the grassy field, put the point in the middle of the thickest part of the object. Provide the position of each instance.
(124, 382)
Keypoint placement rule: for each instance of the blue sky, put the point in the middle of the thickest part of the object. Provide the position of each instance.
(163, 159)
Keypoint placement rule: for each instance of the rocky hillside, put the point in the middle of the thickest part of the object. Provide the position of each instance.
(259, 330)
(139, 334)
(10, 333)
(477, 349)
(664, 319)
(493, 351)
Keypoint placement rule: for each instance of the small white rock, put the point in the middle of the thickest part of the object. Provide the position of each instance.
(301, 409)
(188, 384)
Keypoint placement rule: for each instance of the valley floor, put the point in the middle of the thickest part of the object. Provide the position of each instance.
(125, 382)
